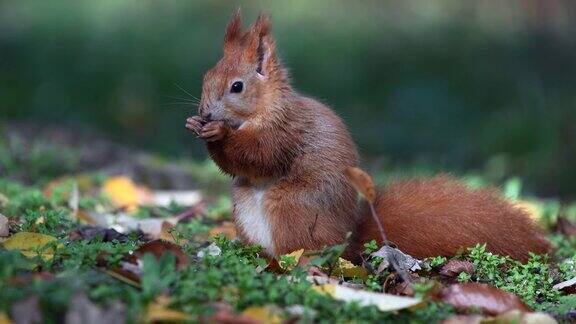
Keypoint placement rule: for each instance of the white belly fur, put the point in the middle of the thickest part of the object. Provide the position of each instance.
(251, 217)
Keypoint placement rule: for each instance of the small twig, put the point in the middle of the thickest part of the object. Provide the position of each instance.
(377, 220)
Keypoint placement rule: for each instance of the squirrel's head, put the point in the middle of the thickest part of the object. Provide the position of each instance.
(247, 77)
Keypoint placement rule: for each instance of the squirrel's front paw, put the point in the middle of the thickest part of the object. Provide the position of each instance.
(214, 131)
(195, 124)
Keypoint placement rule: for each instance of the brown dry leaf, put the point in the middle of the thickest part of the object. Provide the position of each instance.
(362, 182)
(4, 226)
(266, 314)
(159, 247)
(454, 267)
(127, 273)
(166, 232)
(225, 315)
(490, 300)
(29, 243)
(228, 229)
(130, 270)
(402, 289)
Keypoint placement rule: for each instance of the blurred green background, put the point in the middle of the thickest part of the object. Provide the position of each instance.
(439, 85)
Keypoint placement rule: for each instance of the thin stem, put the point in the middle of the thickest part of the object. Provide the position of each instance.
(380, 227)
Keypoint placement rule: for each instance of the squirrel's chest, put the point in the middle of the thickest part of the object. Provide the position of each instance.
(251, 218)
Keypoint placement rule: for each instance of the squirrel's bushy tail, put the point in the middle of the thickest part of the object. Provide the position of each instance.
(441, 216)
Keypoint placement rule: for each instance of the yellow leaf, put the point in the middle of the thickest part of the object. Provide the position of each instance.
(158, 312)
(165, 232)
(326, 289)
(124, 193)
(263, 315)
(533, 209)
(295, 254)
(29, 243)
(347, 269)
(4, 319)
(362, 182)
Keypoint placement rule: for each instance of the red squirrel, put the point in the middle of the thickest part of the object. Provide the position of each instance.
(287, 154)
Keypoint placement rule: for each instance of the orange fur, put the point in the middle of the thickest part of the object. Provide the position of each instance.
(442, 216)
(287, 154)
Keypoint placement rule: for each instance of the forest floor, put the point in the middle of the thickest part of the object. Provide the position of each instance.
(119, 235)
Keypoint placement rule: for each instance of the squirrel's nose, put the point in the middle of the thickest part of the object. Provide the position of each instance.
(208, 116)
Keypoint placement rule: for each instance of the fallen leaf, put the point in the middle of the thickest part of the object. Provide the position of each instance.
(127, 273)
(454, 267)
(4, 226)
(92, 218)
(159, 247)
(568, 286)
(124, 193)
(225, 314)
(83, 310)
(400, 260)
(362, 182)
(348, 269)
(181, 198)
(90, 233)
(402, 289)
(29, 243)
(516, 316)
(4, 319)
(490, 300)
(296, 255)
(227, 229)
(538, 318)
(266, 314)
(130, 269)
(158, 311)
(384, 302)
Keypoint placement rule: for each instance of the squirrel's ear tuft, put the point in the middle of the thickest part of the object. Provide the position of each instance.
(234, 28)
(261, 45)
(262, 25)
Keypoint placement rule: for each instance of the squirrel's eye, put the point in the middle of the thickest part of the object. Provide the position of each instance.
(237, 87)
